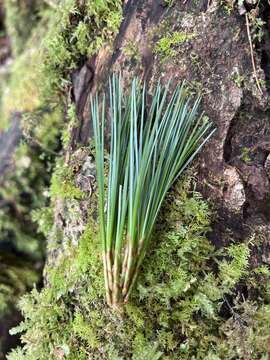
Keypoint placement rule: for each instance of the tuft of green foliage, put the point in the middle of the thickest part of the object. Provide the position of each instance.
(185, 305)
(150, 148)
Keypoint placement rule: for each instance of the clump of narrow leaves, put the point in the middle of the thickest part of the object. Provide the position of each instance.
(150, 147)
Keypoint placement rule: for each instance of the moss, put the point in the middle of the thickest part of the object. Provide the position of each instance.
(64, 36)
(245, 155)
(238, 79)
(24, 88)
(44, 218)
(73, 122)
(45, 56)
(77, 30)
(48, 43)
(232, 273)
(185, 305)
(62, 183)
(166, 46)
(43, 127)
(143, 349)
(85, 331)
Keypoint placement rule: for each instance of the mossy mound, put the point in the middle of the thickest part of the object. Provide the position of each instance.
(185, 305)
(76, 31)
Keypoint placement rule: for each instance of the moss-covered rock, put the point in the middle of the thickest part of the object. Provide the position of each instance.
(185, 305)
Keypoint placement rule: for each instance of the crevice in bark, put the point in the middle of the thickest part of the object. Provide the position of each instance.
(227, 148)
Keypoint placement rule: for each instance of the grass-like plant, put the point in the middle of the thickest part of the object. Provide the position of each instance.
(149, 148)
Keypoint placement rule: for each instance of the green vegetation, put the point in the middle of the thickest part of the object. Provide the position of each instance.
(191, 301)
(245, 155)
(22, 91)
(186, 304)
(22, 190)
(49, 41)
(257, 25)
(45, 58)
(238, 79)
(77, 30)
(148, 152)
(166, 46)
(169, 3)
(59, 42)
(62, 183)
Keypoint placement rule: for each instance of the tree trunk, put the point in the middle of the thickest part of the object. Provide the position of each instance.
(214, 47)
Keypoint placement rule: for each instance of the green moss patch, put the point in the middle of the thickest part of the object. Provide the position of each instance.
(185, 305)
(62, 183)
(166, 46)
(77, 30)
